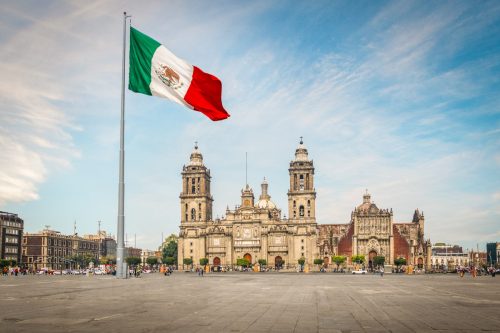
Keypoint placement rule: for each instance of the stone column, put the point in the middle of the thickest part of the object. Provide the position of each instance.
(391, 249)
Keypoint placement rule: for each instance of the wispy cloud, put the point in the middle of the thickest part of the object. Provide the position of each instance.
(399, 105)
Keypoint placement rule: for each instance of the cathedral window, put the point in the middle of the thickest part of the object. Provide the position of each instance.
(307, 181)
(294, 214)
(193, 214)
(308, 203)
(192, 189)
(301, 182)
(301, 211)
(294, 204)
(186, 216)
(308, 213)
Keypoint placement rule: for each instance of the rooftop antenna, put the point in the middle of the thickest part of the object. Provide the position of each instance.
(47, 227)
(99, 229)
(74, 228)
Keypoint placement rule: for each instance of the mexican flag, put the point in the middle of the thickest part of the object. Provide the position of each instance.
(156, 71)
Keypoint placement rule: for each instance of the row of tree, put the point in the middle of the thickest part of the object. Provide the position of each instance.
(338, 260)
(7, 263)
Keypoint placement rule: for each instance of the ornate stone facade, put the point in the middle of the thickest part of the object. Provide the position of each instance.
(372, 232)
(253, 230)
(256, 230)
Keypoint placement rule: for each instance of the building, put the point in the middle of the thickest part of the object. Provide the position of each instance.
(133, 252)
(256, 230)
(49, 249)
(11, 234)
(372, 232)
(493, 253)
(107, 245)
(145, 254)
(445, 256)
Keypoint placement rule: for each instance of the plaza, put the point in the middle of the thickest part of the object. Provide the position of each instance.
(250, 302)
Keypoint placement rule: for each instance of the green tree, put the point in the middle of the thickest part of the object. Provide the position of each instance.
(339, 260)
(169, 261)
(203, 261)
(7, 263)
(379, 260)
(358, 258)
(318, 261)
(151, 261)
(170, 249)
(301, 261)
(399, 262)
(133, 261)
(187, 261)
(262, 262)
(242, 262)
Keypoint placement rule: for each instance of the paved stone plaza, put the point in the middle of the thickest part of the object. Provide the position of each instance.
(250, 302)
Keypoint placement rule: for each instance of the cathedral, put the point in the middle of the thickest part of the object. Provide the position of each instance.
(256, 230)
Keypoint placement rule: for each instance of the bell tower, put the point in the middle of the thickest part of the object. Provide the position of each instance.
(301, 195)
(196, 200)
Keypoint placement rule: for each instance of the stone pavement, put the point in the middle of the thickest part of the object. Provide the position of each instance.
(250, 302)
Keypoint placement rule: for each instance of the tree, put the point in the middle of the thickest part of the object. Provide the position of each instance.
(400, 261)
(339, 260)
(170, 248)
(151, 261)
(187, 261)
(203, 261)
(242, 262)
(169, 261)
(262, 262)
(7, 263)
(358, 258)
(379, 260)
(318, 261)
(301, 261)
(133, 261)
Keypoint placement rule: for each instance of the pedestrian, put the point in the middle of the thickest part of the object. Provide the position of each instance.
(381, 272)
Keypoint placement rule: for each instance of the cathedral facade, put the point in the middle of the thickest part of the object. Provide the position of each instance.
(256, 230)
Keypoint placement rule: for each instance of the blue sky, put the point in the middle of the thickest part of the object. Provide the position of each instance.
(400, 98)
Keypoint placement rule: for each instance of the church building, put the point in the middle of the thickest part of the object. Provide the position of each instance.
(256, 230)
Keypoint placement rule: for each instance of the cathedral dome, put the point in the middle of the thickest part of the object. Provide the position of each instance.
(196, 157)
(265, 199)
(367, 205)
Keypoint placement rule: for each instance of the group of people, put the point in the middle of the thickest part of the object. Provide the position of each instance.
(475, 271)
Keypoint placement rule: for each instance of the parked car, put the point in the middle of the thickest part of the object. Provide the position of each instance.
(359, 271)
(99, 272)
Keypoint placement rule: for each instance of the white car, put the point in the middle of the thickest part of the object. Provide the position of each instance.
(359, 271)
(99, 272)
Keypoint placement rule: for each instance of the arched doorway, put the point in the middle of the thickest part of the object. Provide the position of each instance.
(326, 261)
(371, 257)
(278, 262)
(420, 263)
(248, 257)
(216, 261)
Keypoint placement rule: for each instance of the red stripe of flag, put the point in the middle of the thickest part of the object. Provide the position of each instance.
(205, 95)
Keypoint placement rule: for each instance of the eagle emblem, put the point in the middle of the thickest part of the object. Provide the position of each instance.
(168, 76)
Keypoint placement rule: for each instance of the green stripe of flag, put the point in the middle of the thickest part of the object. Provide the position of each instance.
(142, 49)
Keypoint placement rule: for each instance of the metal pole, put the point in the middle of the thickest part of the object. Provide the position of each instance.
(120, 273)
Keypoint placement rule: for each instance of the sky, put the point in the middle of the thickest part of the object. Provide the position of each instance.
(401, 98)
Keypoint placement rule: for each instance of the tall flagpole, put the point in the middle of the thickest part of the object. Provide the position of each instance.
(120, 271)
